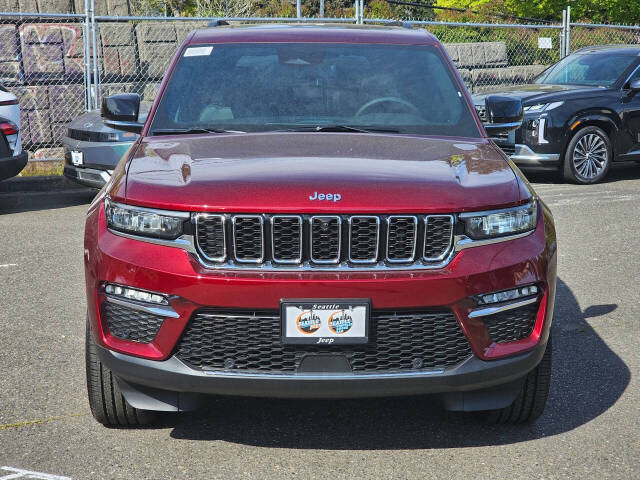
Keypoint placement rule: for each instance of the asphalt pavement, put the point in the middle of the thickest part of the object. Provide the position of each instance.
(590, 429)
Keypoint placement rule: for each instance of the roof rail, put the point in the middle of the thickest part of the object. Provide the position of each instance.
(399, 23)
(217, 22)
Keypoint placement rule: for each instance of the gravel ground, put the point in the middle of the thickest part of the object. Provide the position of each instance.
(590, 428)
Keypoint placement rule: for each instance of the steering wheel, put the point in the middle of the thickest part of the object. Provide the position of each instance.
(376, 101)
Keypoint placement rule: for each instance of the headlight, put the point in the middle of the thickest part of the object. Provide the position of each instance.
(144, 221)
(542, 107)
(500, 223)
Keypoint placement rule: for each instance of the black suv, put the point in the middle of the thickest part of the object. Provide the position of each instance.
(581, 114)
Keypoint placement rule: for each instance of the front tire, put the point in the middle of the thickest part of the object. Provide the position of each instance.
(530, 402)
(588, 156)
(108, 405)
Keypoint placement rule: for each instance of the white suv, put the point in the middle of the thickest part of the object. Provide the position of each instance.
(12, 158)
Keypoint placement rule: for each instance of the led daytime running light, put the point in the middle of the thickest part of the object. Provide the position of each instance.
(508, 295)
(135, 294)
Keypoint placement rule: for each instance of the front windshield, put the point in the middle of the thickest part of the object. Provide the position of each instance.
(596, 70)
(277, 86)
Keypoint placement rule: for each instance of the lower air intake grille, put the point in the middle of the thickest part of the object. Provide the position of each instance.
(130, 324)
(512, 325)
(250, 341)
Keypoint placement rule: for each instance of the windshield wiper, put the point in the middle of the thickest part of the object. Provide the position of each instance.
(339, 128)
(193, 130)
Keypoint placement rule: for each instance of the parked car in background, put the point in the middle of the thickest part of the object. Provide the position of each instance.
(12, 158)
(312, 222)
(581, 114)
(92, 149)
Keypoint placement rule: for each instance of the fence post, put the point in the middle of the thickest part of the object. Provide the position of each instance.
(87, 59)
(567, 40)
(96, 78)
(299, 8)
(563, 31)
(355, 6)
(361, 12)
(321, 8)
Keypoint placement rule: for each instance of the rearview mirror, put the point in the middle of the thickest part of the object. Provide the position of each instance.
(503, 114)
(121, 112)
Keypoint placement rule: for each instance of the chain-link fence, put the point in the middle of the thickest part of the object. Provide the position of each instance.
(42, 62)
(587, 35)
(60, 65)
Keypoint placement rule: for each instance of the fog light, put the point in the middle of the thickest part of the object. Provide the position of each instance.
(507, 295)
(134, 294)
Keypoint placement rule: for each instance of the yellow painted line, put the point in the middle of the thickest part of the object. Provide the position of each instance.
(41, 420)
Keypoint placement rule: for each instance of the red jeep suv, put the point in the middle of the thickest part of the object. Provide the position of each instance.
(316, 212)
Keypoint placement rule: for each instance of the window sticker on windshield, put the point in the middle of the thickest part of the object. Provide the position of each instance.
(197, 51)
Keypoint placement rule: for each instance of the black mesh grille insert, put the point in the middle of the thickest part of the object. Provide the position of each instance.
(512, 325)
(130, 324)
(325, 239)
(364, 232)
(287, 238)
(250, 341)
(437, 236)
(211, 238)
(248, 238)
(401, 243)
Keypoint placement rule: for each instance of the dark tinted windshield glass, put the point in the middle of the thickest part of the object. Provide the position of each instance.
(587, 69)
(267, 87)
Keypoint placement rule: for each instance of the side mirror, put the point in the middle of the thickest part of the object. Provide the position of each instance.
(121, 112)
(503, 114)
(634, 86)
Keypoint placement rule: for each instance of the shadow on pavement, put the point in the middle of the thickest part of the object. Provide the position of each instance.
(17, 202)
(618, 171)
(588, 378)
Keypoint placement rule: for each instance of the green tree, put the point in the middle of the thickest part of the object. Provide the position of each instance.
(599, 11)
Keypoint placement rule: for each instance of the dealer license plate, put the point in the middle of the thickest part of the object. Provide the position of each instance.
(325, 322)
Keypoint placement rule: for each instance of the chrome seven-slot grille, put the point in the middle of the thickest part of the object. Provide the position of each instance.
(324, 240)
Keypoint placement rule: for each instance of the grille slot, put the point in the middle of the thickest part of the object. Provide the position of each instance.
(248, 238)
(326, 233)
(210, 234)
(512, 325)
(438, 237)
(250, 341)
(401, 238)
(286, 238)
(130, 324)
(364, 238)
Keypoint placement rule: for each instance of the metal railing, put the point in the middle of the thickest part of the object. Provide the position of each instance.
(60, 65)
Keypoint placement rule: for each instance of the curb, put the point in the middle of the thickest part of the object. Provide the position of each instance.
(49, 183)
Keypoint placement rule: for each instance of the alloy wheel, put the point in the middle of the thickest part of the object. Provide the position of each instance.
(590, 156)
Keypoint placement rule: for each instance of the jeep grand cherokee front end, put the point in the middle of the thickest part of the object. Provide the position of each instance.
(324, 217)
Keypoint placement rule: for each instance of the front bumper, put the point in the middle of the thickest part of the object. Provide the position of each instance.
(170, 385)
(12, 166)
(152, 368)
(91, 177)
(525, 157)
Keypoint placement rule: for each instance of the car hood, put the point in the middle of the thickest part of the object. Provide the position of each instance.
(278, 172)
(539, 92)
